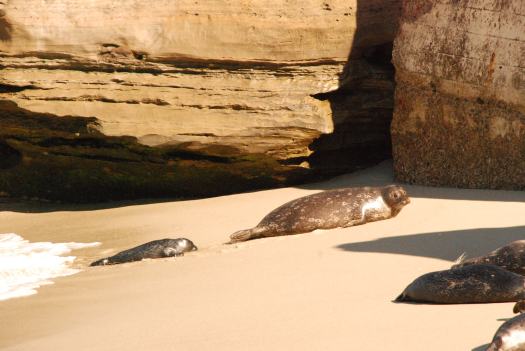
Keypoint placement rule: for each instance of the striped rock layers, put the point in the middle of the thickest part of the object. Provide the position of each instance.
(109, 99)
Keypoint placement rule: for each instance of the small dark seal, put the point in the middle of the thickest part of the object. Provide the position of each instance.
(327, 210)
(153, 249)
(510, 336)
(510, 257)
(479, 283)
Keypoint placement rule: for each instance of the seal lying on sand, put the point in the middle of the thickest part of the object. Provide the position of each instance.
(329, 209)
(479, 283)
(510, 257)
(153, 249)
(510, 336)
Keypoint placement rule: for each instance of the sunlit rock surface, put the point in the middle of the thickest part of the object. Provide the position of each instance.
(138, 98)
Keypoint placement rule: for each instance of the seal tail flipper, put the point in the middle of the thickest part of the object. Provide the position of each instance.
(461, 258)
(519, 307)
(460, 261)
(246, 234)
(495, 345)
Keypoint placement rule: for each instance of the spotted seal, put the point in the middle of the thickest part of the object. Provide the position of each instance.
(510, 257)
(329, 209)
(478, 283)
(153, 249)
(510, 336)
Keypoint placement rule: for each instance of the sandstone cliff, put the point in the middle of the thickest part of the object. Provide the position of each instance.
(113, 99)
(460, 99)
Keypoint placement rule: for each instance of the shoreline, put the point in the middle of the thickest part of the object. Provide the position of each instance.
(330, 290)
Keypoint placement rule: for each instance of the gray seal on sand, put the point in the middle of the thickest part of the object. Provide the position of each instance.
(153, 249)
(478, 283)
(510, 336)
(330, 209)
(510, 257)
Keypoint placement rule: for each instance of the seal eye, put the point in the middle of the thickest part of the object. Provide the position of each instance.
(396, 195)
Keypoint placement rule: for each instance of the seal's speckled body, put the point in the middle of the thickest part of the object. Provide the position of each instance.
(510, 257)
(329, 209)
(510, 336)
(479, 283)
(153, 249)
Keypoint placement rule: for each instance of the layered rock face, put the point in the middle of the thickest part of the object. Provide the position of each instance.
(139, 98)
(459, 115)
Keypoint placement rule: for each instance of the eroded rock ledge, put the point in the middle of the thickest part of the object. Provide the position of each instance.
(460, 99)
(190, 99)
(65, 158)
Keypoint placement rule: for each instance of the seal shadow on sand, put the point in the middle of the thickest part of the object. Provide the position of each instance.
(481, 348)
(442, 245)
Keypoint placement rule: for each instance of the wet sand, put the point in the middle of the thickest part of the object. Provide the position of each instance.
(329, 290)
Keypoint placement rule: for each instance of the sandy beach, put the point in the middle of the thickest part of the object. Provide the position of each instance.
(330, 290)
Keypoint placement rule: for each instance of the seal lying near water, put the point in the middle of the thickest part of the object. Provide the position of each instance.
(329, 209)
(510, 336)
(510, 257)
(153, 249)
(478, 283)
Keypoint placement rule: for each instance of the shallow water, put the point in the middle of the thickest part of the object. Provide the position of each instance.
(25, 266)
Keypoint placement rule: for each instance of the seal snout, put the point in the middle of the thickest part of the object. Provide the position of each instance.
(401, 298)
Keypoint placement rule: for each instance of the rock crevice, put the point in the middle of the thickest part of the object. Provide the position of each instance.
(295, 91)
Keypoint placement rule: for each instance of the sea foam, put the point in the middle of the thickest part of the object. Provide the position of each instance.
(25, 266)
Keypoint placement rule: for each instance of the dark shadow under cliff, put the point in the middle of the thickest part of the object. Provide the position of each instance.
(44, 156)
(363, 105)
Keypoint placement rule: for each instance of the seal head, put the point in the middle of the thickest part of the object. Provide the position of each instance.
(395, 197)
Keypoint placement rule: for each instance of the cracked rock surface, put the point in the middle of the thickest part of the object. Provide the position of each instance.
(189, 93)
(459, 115)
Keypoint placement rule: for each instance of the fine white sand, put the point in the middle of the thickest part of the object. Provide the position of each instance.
(329, 290)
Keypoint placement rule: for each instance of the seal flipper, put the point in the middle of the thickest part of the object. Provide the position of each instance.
(462, 258)
(247, 234)
(171, 252)
(101, 262)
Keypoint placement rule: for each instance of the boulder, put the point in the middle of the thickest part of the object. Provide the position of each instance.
(459, 116)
